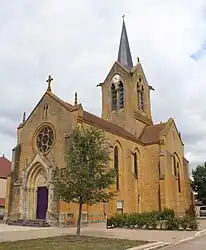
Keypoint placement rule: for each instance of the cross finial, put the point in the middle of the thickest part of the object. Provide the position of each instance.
(49, 80)
(24, 116)
(75, 101)
(123, 16)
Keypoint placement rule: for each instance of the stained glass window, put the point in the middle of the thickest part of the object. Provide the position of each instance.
(45, 139)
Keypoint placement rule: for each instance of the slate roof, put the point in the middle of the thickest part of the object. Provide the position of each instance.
(124, 54)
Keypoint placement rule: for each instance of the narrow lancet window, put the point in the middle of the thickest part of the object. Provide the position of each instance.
(114, 97)
(121, 95)
(179, 183)
(142, 99)
(135, 164)
(116, 166)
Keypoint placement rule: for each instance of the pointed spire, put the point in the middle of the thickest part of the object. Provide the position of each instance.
(124, 55)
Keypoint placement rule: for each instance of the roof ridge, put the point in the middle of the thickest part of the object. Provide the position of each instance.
(111, 122)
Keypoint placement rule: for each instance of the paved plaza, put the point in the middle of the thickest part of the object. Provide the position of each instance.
(14, 233)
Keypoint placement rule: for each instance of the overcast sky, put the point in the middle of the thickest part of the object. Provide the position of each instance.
(77, 42)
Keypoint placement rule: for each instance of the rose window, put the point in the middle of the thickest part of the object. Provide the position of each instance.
(45, 139)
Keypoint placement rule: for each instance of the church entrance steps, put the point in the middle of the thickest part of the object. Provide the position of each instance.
(29, 223)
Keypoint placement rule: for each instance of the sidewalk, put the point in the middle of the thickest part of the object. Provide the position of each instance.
(14, 233)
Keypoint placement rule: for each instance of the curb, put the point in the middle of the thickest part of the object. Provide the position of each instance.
(198, 234)
(202, 232)
(150, 246)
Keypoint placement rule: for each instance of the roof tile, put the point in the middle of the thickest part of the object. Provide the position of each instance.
(151, 134)
(109, 126)
(2, 202)
(5, 167)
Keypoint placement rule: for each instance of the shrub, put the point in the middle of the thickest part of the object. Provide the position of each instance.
(172, 223)
(133, 219)
(162, 220)
(167, 214)
(185, 222)
(193, 224)
(119, 220)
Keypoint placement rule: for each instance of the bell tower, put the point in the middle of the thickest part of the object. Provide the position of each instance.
(125, 91)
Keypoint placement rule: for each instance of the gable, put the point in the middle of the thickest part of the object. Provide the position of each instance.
(117, 68)
(151, 134)
(138, 70)
(171, 125)
(53, 97)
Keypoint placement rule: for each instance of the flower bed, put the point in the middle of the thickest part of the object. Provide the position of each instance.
(164, 220)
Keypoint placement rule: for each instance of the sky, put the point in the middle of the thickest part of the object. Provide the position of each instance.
(77, 43)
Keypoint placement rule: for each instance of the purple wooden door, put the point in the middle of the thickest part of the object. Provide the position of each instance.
(42, 203)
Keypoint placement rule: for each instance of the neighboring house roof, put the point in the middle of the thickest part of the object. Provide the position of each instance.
(2, 202)
(5, 167)
(151, 134)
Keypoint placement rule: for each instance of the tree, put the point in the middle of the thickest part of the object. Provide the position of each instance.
(199, 182)
(86, 178)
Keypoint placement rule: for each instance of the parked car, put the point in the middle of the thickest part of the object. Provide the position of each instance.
(203, 211)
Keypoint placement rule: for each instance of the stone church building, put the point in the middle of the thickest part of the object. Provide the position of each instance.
(149, 158)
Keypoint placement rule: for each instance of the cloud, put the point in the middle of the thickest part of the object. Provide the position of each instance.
(77, 43)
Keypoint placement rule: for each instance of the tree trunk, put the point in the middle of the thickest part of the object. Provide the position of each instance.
(79, 219)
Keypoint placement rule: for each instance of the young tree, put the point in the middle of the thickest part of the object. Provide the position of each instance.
(199, 182)
(86, 178)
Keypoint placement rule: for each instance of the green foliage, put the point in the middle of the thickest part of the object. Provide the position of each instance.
(154, 220)
(167, 214)
(199, 182)
(185, 222)
(172, 223)
(86, 178)
(193, 224)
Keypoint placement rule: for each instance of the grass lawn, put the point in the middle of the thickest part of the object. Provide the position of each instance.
(71, 243)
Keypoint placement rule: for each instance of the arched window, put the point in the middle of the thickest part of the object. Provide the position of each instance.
(178, 177)
(174, 166)
(114, 97)
(135, 164)
(140, 97)
(121, 95)
(179, 183)
(116, 166)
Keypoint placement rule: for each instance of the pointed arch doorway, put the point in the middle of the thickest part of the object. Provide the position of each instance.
(42, 203)
(37, 193)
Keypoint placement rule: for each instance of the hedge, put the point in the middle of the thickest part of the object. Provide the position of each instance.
(164, 220)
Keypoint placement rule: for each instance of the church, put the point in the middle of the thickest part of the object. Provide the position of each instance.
(149, 158)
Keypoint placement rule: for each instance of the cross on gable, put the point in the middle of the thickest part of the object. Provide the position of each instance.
(49, 80)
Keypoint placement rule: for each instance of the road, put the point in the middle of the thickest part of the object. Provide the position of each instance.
(197, 244)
